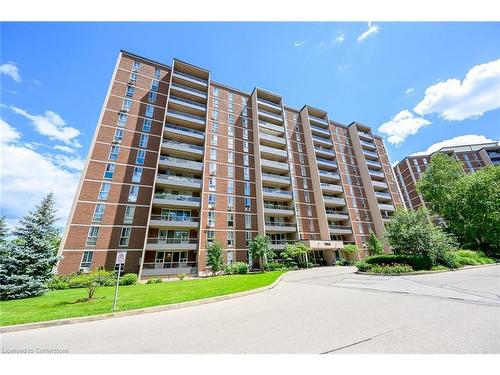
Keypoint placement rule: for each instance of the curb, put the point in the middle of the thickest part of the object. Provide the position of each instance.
(147, 310)
(464, 268)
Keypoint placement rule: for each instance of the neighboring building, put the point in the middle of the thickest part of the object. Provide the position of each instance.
(178, 160)
(409, 170)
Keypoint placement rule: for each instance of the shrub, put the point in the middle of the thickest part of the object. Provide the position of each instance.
(236, 268)
(58, 282)
(214, 256)
(416, 261)
(344, 262)
(472, 258)
(449, 260)
(128, 279)
(439, 268)
(91, 281)
(154, 280)
(374, 245)
(363, 266)
(275, 266)
(181, 276)
(391, 269)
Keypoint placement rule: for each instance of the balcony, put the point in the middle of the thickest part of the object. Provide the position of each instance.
(270, 116)
(321, 131)
(275, 128)
(379, 185)
(333, 201)
(176, 200)
(322, 141)
(340, 229)
(280, 244)
(183, 133)
(369, 145)
(187, 103)
(364, 135)
(183, 164)
(336, 215)
(370, 154)
(329, 176)
(494, 155)
(275, 179)
(190, 78)
(318, 120)
(160, 221)
(184, 149)
(331, 188)
(274, 166)
(327, 163)
(324, 151)
(273, 153)
(280, 227)
(178, 181)
(187, 117)
(276, 194)
(268, 104)
(383, 196)
(170, 268)
(374, 164)
(159, 244)
(271, 139)
(376, 174)
(386, 207)
(278, 210)
(188, 90)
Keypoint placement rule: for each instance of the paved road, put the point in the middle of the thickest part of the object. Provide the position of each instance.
(322, 310)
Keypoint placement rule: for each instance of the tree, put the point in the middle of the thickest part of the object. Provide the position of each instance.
(374, 245)
(4, 231)
(351, 249)
(295, 254)
(91, 281)
(214, 256)
(412, 232)
(468, 203)
(26, 263)
(260, 247)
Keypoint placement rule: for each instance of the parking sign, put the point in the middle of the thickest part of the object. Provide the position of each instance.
(120, 257)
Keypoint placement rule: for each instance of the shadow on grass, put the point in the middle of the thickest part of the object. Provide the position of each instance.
(81, 300)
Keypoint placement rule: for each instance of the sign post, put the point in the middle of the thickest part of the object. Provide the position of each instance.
(120, 260)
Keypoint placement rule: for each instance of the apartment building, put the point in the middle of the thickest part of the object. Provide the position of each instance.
(473, 157)
(178, 161)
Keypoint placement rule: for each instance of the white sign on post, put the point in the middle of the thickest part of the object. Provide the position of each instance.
(120, 260)
(120, 257)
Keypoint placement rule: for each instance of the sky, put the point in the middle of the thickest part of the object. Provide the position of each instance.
(420, 86)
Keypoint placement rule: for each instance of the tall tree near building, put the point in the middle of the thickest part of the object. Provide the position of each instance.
(260, 247)
(214, 256)
(375, 247)
(26, 263)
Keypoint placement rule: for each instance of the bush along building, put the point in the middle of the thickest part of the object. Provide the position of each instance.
(178, 161)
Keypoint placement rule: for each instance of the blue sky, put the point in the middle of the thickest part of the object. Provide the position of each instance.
(55, 75)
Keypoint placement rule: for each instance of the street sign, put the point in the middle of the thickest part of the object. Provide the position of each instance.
(120, 260)
(120, 257)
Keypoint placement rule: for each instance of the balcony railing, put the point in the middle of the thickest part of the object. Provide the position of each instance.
(277, 191)
(272, 150)
(368, 144)
(190, 77)
(494, 155)
(163, 176)
(324, 150)
(320, 139)
(185, 130)
(172, 241)
(334, 200)
(364, 135)
(276, 177)
(370, 153)
(329, 174)
(282, 241)
(335, 212)
(331, 186)
(184, 114)
(274, 164)
(174, 197)
(374, 163)
(317, 119)
(320, 130)
(277, 207)
(189, 89)
(166, 265)
(272, 138)
(376, 173)
(343, 227)
(276, 128)
(268, 102)
(279, 224)
(386, 207)
(327, 161)
(182, 219)
(182, 145)
(190, 102)
(271, 115)
(383, 195)
(186, 162)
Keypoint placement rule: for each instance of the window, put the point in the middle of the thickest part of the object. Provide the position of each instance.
(125, 236)
(215, 102)
(245, 134)
(246, 173)
(248, 238)
(104, 191)
(130, 91)
(154, 85)
(230, 96)
(211, 200)
(245, 122)
(146, 126)
(98, 212)
(212, 168)
(230, 171)
(244, 112)
(143, 141)
(118, 137)
(136, 176)
(215, 114)
(230, 186)
(230, 202)
(303, 170)
(133, 193)
(141, 155)
(212, 183)
(230, 220)
(213, 140)
(247, 204)
(245, 146)
(149, 110)
(136, 66)
(230, 157)
(307, 197)
(128, 217)
(299, 147)
(247, 188)
(213, 153)
(244, 101)
(304, 183)
(216, 91)
(109, 171)
(127, 103)
(215, 127)
(230, 143)
(230, 240)
(92, 236)
(86, 260)
(309, 211)
(122, 119)
(152, 97)
(157, 73)
(301, 158)
(231, 119)
(230, 131)
(211, 219)
(133, 78)
(246, 160)
(210, 236)
(248, 221)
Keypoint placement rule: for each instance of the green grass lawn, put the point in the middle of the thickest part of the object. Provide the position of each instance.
(472, 258)
(60, 304)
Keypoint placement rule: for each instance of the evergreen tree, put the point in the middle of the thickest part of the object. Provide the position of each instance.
(375, 247)
(26, 263)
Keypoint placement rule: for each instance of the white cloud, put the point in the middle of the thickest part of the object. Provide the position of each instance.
(52, 125)
(10, 69)
(453, 99)
(75, 163)
(468, 139)
(394, 163)
(298, 44)
(67, 149)
(401, 126)
(340, 38)
(410, 90)
(372, 30)
(26, 176)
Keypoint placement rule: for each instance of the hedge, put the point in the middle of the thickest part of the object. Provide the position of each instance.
(417, 262)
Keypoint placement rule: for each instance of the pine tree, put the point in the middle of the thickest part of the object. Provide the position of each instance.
(26, 262)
